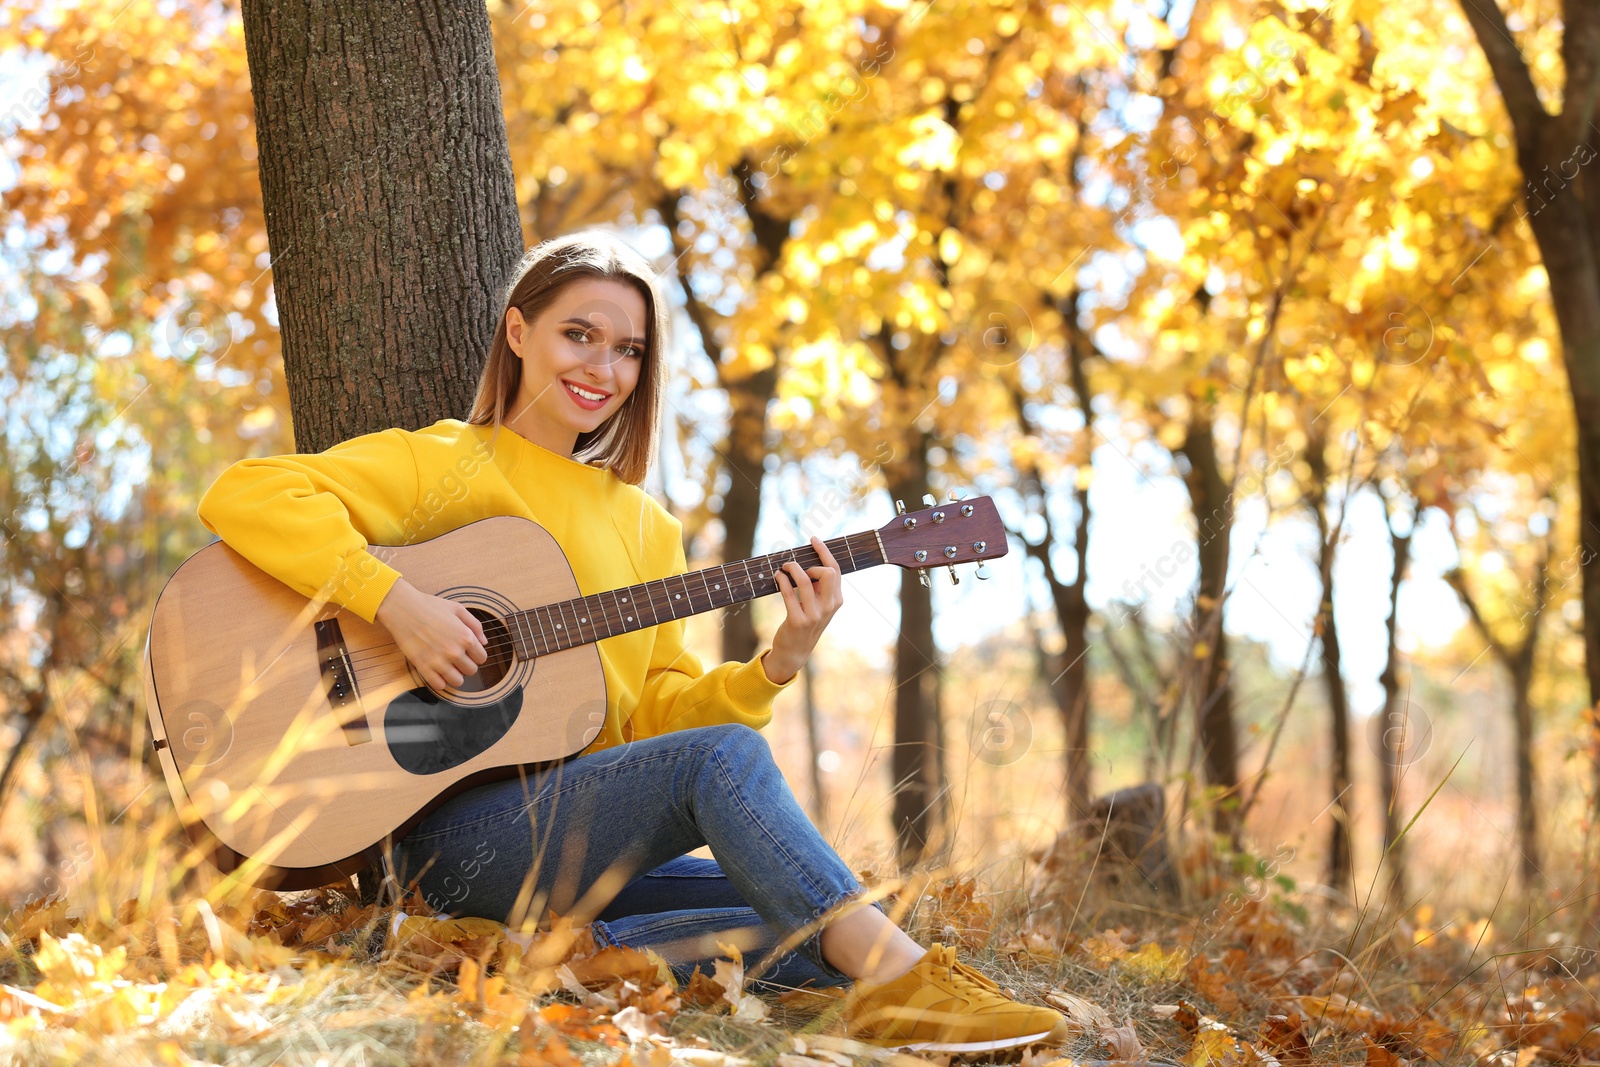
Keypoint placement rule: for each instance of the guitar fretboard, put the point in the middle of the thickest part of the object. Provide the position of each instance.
(553, 627)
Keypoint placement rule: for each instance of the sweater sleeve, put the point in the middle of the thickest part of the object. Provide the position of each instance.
(306, 519)
(679, 693)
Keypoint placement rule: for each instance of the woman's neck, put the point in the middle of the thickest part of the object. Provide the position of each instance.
(551, 438)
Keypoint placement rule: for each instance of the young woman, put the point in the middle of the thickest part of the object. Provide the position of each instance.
(562, 432)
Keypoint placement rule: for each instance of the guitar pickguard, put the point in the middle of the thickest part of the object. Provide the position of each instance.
(428, 735)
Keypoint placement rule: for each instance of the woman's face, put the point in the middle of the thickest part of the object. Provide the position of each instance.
(581, 358)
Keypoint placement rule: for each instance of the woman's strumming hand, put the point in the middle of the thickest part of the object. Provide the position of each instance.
(811, 596)
(442, 639)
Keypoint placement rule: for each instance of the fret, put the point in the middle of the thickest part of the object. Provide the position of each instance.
(626, 607)
(562, 624)
(552, 619)
(544, 638)
(684, 599)
(524, 633)
(848, 551)
(585, 619)
(705, 582)
(751, 582)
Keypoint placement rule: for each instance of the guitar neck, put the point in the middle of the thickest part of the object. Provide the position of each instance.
(553, 627)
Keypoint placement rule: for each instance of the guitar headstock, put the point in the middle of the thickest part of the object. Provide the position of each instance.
(957, 531)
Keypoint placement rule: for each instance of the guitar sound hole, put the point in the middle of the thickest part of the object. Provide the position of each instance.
(497, 643)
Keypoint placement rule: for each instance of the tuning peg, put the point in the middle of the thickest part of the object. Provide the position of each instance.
(927, 498)
(952, 497)
(955, 579)
(982, 577)
(899, 507)
(922, 576)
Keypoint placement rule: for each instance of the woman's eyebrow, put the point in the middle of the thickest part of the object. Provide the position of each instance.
(587, 325)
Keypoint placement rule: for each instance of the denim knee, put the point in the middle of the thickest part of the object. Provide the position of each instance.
(737, 739)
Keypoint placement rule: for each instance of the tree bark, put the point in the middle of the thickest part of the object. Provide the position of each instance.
(1395, 714)
(745, 452)
(1213, 511)
(1340, 862)
(819, 796)
(917, 765)
(1066, 675)
(1553, 153)
(1518, 661)
(390, 206)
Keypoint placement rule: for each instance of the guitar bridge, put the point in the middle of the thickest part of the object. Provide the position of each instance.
(339, 682)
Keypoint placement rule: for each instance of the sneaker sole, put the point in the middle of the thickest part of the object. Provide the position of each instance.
(967, 1046)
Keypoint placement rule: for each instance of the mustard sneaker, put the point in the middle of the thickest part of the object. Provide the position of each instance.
(943, 1005)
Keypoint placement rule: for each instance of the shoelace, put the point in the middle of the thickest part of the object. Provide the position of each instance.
(963, 977)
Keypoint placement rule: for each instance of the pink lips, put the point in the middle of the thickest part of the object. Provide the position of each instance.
(582, 402)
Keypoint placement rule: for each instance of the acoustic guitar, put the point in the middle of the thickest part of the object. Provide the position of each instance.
(296, 738)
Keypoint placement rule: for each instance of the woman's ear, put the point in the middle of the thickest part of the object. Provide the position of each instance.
(516, 326)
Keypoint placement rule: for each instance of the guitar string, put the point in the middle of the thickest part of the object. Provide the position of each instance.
(389, 652)
(378, 662)
(605, 614)
(373, 655)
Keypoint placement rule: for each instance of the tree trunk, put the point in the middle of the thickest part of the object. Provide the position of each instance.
(1527, 812)
(1072, 602)
(1391, 755)
(1066, 675)
(917, 765)
(1213, 511)
(390, 206)
(819, 798)
(1553, 153)
(745, 453)
(1339, 863)
(1518, 661)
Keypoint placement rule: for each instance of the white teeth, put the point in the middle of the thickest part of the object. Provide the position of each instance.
(585, 395)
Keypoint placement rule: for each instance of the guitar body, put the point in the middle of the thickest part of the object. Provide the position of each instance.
(296, 738)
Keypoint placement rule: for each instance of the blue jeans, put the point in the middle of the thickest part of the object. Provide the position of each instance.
(603, 838)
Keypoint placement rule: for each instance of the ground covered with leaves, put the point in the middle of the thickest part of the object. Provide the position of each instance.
(1254, 974)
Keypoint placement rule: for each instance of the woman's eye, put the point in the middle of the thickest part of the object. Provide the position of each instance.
(577, 334)
(633, 350)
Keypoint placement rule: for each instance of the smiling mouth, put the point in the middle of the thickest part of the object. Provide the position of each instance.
(587, 394)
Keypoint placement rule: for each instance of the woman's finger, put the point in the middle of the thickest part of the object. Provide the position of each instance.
(823, 553)
(802, 583)
(786, 591)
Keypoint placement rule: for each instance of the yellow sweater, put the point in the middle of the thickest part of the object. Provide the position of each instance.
(307, 520)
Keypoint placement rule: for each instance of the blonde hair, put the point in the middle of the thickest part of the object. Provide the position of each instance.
(626, 442)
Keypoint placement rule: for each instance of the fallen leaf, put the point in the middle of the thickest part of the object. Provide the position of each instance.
(1122, 1042)
(1337, 1011)
(613, 963)
(1105, 947)
(1152, 963)
(544, 1048)
(1217, 1048)
(702, 990)
(1085, 1016)
(1285, 1037)
(1378, 1056)
(1212, 984)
